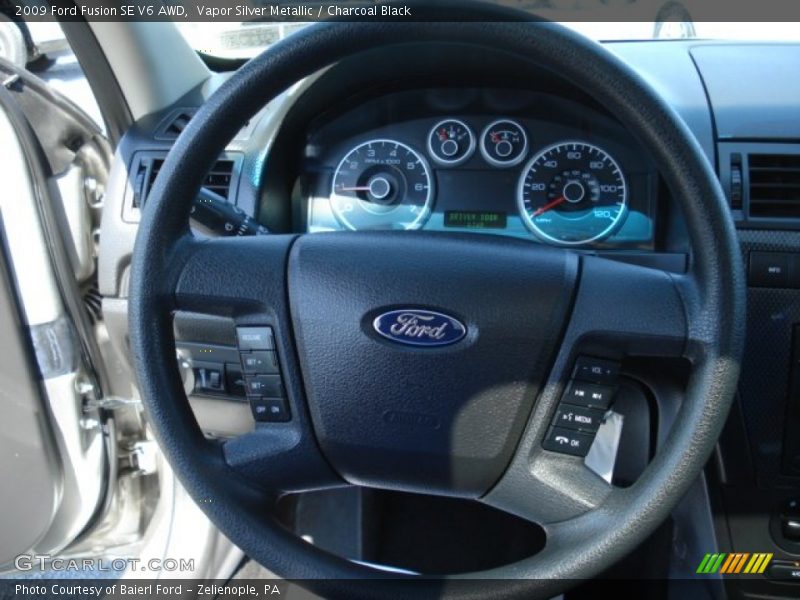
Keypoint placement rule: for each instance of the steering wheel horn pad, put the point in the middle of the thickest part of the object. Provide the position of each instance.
(528, 311)
(426, 422)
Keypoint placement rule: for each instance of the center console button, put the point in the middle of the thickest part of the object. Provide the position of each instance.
(769, 269)
(784, 571)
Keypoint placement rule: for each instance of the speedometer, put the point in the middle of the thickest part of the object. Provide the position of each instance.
(382, 184)
(572, 193)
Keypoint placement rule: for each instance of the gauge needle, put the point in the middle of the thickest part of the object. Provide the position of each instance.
(359, 188)
(548, 206)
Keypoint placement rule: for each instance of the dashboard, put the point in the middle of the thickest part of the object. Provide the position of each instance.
(512, 162)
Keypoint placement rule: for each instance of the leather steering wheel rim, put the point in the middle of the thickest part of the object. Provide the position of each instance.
(711, 296)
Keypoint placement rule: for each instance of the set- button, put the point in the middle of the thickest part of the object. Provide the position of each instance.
(262, 376)
(264, 385)
(583, 405)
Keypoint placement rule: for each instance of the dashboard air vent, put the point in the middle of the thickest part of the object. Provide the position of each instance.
(176, 125)
(774, 185)
(217, 180)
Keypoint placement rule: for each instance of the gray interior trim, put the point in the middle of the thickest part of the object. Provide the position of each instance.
(152, 63)
(60, 473)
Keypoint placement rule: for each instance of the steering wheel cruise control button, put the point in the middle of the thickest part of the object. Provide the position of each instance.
(596, 370)
(568, 441)
(260, 362)
(270, 410)
(578, 417)
(589, 394)
(255, 338)
(260, 374)
(265, 385)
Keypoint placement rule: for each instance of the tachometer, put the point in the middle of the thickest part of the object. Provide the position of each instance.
(572, 193)
(382, 184)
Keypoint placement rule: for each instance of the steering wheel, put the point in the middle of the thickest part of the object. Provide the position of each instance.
(466, 419)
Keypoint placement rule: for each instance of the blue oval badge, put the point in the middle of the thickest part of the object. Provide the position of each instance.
(416, 327)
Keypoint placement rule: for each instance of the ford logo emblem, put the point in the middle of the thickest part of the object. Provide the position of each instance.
(417, 327)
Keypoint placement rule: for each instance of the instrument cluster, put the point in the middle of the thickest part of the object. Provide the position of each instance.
(523, 176)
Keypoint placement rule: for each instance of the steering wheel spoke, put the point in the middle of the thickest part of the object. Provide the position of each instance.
(281, 458)
(242, 278)
(623, 309)
(620, 310)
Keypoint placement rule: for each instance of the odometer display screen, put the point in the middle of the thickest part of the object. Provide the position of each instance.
(474, 219)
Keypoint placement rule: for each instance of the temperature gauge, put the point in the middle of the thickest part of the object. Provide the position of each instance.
(451, 142)
(504, 143)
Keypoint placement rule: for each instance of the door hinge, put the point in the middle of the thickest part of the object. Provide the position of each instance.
(110, 403)
(141, 458)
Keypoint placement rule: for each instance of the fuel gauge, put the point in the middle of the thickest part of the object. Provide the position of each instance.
(504, 143)
(451, 142)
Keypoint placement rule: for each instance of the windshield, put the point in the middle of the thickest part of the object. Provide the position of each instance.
(245, 40)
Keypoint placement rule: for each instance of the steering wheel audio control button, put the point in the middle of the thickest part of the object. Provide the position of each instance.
(568, 441)
(589, 394)
(270, 410)
(596, 370)
(255, 338)
(581, 418)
